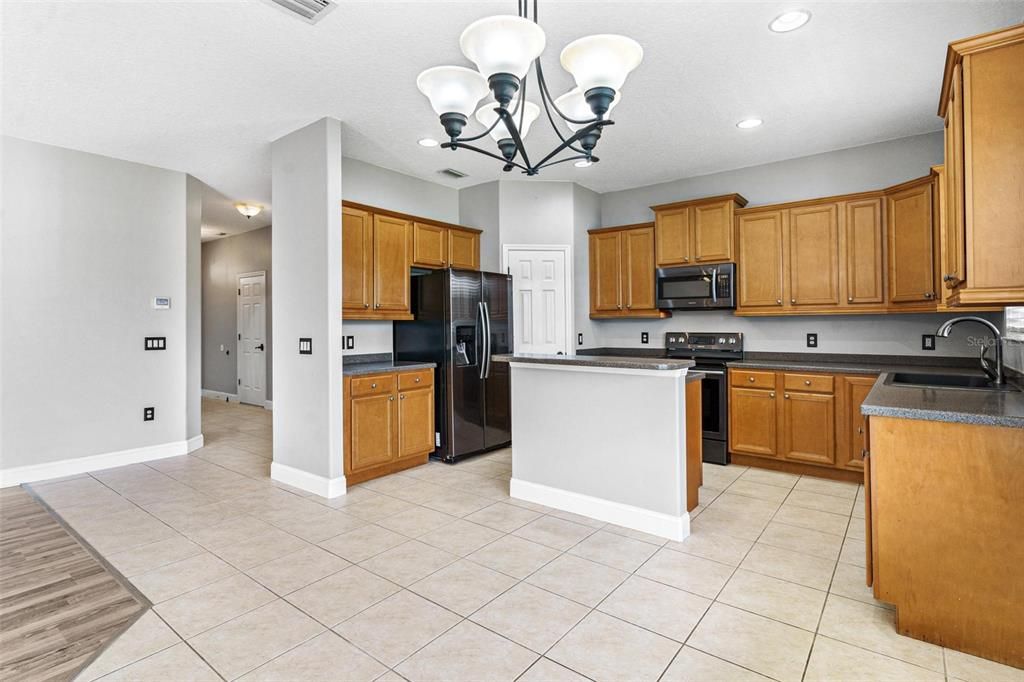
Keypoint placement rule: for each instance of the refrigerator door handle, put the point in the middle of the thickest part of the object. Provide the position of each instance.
(487, 323)
(482, 344)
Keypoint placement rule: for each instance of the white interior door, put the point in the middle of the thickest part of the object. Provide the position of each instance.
(252, 338)
(541, 296)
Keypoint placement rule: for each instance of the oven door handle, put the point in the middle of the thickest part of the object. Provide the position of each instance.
(707, 371)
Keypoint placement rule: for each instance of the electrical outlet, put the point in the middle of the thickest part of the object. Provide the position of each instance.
(645, 337)
(927, 341)
(579, 339)
(156, 343)
(148, 414)
(350, 342)
(305, 346)
(812, 340)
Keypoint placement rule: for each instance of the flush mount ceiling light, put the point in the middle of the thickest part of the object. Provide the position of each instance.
(428, 142)
(790, 21)
(748, 123)
(248, 210)
(503, 48)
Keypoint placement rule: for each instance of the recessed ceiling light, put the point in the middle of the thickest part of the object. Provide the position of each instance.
(428, 142)
(748, 123)
(584, 163)
(790, 21)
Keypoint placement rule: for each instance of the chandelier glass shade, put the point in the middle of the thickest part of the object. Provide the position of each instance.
(503, 48)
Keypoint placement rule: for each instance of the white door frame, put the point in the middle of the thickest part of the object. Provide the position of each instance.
(238, 331)
(565, 249)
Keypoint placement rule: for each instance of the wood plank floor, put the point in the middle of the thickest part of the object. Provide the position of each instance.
(58, 605)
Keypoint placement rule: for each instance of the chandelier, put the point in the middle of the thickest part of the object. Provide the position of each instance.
(503, 48)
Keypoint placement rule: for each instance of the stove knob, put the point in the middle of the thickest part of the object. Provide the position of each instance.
(732, 339)
(721, 340)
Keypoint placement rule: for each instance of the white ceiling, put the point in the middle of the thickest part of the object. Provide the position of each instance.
(204, 87)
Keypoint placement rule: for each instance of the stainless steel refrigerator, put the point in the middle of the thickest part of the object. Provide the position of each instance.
(463, 317)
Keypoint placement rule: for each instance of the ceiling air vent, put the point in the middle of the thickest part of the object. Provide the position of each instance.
(452, 173)
(310, 11)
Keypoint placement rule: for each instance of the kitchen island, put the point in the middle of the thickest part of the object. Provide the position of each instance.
(606, 437)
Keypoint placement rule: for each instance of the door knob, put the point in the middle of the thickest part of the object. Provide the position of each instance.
(259, 347)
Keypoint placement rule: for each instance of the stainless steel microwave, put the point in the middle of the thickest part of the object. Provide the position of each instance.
(697, 287)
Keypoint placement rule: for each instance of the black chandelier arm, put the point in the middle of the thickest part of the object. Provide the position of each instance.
(575, 138)
(545, 95)
(554, 126)
(458, 144)
(477, 137)
(592, 159)
(513, 132)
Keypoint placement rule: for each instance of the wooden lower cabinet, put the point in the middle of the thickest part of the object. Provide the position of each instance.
(797, 421)
(388, 423)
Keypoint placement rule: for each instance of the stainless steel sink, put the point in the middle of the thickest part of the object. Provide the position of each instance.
(971, 382)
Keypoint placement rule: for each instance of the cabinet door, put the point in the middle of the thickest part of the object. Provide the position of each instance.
(373, 429)
(391, 261)
(712, 233)
(953, 236)
(855, 389)
(464, 249)
(672, 227)
(752, 421)
(605, 272)
(759, 244)
(864, 258)
(429, 245)
(638, 269)
(911, 255)
(415, 422)
(813, 264)
(356, 259)
(808, 427)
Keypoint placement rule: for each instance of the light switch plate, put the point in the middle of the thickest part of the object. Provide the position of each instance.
(305, 346)
(350, 342)
(156, 343)
(579, 339)
(927, 341)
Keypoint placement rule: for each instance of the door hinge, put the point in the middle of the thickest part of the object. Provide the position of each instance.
(239, 382)
(239, 337)
(239, 292)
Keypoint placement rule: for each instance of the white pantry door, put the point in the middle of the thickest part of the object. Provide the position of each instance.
(252, 338)
(541, 298)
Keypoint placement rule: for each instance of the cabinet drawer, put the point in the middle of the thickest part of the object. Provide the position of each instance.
(815, 383)
(752, 378)
(373, 385)
(415, 379)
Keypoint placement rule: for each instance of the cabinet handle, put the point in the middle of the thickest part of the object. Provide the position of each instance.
(442, 261)
(750, 378)
(860, 429)
(950, 277)
(391, 398)
(373, 385)
(376, 305)
(778, 301)
(849, 299)
(772, 394)
(928, 294)
(619, 306)
(686, 260)
(792, 301)
(402, 397)
(807, 382)
(786, 396)
(417, 380)
(366, 305)
(629, 305)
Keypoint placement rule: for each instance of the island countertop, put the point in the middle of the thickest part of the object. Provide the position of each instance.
(604, 361)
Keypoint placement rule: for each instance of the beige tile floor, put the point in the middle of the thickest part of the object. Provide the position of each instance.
(436, 574)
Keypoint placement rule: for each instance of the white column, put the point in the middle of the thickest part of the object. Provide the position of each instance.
(306, 256)
(193, 313)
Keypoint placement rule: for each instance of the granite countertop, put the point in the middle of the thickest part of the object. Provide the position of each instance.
(359, 368)
(991, 408)
(855, 364)
(607, 361)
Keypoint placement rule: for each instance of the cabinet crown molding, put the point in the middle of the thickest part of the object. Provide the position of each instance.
(738, 198)
(956, 51)
(406, 216)
(620, 228)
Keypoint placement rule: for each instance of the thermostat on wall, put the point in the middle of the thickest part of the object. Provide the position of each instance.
(162, 302)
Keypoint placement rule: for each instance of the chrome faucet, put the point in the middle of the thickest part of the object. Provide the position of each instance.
(996, 375)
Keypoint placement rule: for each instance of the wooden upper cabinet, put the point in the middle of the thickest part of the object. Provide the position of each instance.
(464, 249)
(429, 245)
(356, 260)
(697, 231)
(673, 236)
(911, 247)
(638, 269)
(813, 263)
(864, 254)
(712, 232)
(953, 229)
(808, 427)
(759, 259)
(605, 272)
(391, 260)
(983, 103)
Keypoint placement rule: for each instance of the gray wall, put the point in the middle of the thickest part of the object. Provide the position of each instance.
(223, 260)
(535, 212)
(586, 215)
(839, 172)
(478, 207)
(375, 186)
(87, 242)
(306, 248)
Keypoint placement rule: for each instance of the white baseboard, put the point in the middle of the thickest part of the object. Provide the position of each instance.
(80, 465)
(628, 516)
(318, 485)
(220, 395)
(268, 405)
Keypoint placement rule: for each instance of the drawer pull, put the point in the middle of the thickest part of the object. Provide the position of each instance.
(373, 385)
(786, 396)
(772, 394)
(850, 299)
(793, 301)
(402, 397)
(778, 301)
(418, 379)
(807, 382)
(391, 398)
(750, 379)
